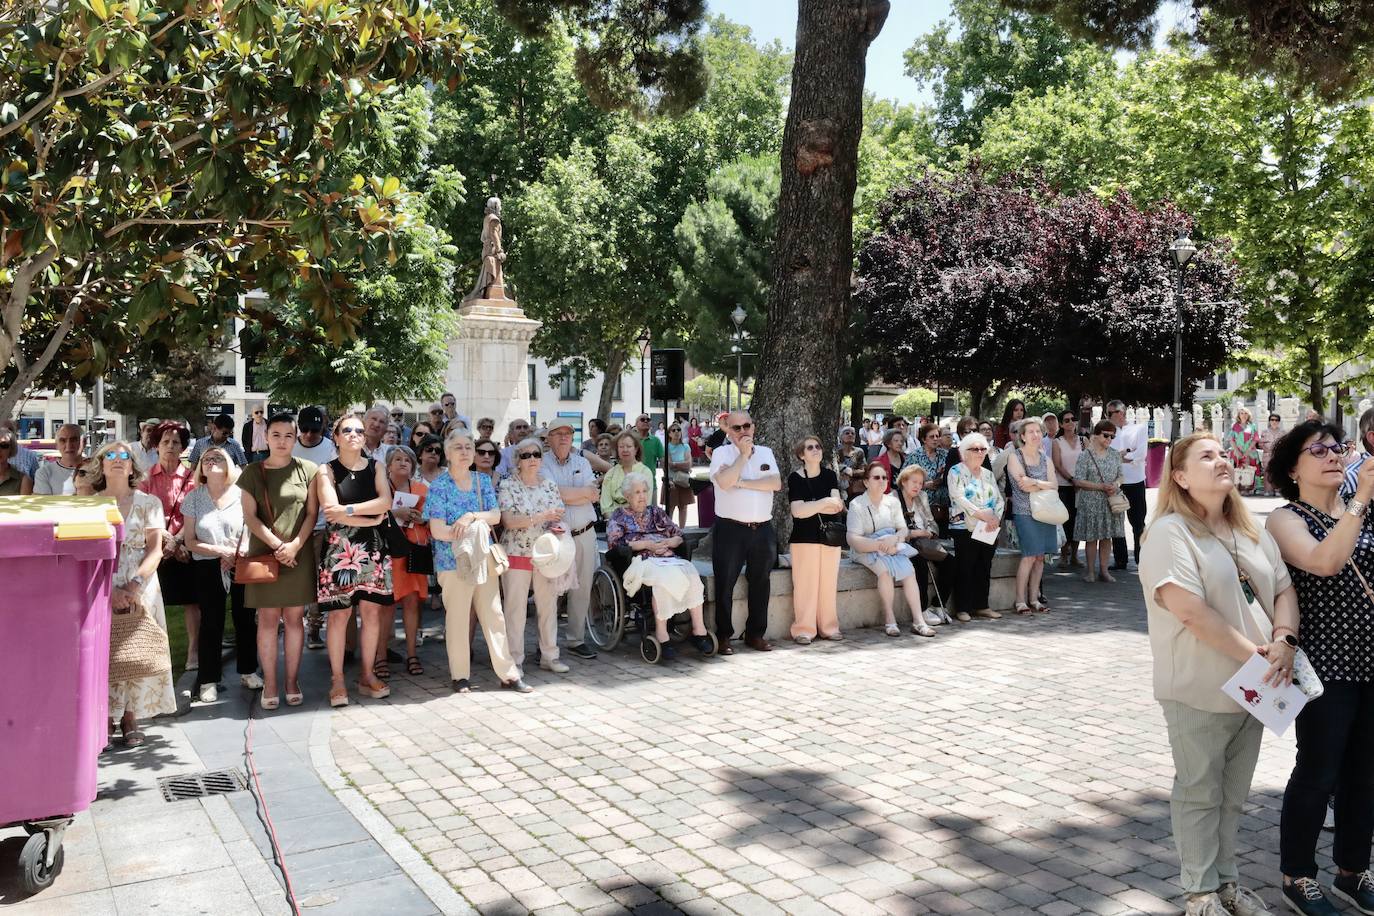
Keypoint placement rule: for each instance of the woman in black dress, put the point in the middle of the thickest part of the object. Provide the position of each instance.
(355, 570)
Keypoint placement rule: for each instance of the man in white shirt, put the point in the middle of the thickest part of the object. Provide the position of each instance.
(745, 476)
(579, 490)
(312, 445)
(54, 478)
(1133, 444)
(375, 424)
(145, 450)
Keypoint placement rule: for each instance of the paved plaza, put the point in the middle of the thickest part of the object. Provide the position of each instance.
(1015, 766)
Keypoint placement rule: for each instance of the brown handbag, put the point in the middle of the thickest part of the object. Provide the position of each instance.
(264, 568)
(138, 646)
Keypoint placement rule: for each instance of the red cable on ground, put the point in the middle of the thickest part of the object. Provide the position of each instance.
(266, 817)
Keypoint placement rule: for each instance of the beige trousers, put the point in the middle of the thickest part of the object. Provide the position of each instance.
(580, 597)
(515, 585)
(462, 598)
(815, 576)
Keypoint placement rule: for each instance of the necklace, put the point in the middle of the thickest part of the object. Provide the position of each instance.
(1241, 574)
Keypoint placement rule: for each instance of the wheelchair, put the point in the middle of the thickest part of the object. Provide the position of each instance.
(612, 614)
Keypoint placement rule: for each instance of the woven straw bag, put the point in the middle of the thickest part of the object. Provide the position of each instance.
(138, 646)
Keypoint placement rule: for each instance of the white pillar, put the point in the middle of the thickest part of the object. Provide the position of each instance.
(487, 360)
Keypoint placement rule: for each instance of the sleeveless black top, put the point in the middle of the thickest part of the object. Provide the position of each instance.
(1336, 627)
(354, 486)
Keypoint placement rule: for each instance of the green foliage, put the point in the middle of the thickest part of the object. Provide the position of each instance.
(169, 384)
(161, 159)
(707, 395)
(914, 402)
(988, 55)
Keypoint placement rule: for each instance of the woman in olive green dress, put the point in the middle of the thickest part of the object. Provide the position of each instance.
(279, 508)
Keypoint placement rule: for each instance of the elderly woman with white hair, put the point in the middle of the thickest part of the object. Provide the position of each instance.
(530, 505)
(1031, 470)
(976, 506)
(646, 531)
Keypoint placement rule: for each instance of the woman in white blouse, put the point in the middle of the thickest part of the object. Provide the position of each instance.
(974, 498)
(878, 541)
(214, 527)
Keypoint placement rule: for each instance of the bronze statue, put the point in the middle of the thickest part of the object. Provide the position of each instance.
(491, 280)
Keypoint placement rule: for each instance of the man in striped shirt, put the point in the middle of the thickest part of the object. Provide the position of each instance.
(1352, 470)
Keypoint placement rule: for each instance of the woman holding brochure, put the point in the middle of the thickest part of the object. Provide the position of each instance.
(1217, 594)
(975, 517)
(1328, 545)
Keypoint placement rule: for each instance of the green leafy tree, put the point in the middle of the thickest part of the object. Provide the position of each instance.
(914, 402)
(709, 394)
(163, 158)
(987, 55)
(171, 384)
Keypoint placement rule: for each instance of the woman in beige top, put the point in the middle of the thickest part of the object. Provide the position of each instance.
(1203, 558)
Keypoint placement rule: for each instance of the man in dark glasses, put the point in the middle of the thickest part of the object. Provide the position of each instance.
(742, 540)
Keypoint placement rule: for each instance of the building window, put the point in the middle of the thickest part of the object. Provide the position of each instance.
(569, 385)
(533, 380)
(1209, 383)
(1222, 383)
(616, 395)
(617, 417)
(575, 418)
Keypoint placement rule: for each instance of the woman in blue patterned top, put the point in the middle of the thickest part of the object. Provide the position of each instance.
(930, 457)
(458, 500)
(1328, 546)
(974, 497)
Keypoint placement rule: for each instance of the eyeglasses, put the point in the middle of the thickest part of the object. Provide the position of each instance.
(527, 455)
(436, 450)
(741, 427)
(257, 413)
(976, 448)
(448, 403)
(1275, 420)
(212, 459)
(1107, 435)
(878, 477)
(1320, 449)
(489, 452)
(350, 430)
(811, 447)
(397, 415)
(120, 455)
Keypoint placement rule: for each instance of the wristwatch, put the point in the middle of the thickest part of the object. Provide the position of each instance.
(133, 583)
(1355, 508)
(348, 510)
(1291, 640)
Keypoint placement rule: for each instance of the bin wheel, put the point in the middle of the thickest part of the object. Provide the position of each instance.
(34, 873)
(31, 829)
(650, 650)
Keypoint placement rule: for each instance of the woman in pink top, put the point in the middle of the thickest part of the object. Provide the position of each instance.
(170, 480)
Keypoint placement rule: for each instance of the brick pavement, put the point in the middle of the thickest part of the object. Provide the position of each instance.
(1013, 766)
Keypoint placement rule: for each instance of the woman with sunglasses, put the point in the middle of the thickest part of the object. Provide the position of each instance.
(1216, 594)
(893, 457)
(1268, 438)
(417, 435)
(530, 505)
(486, 457)
(279, 509)
(815, 496)
(112, 472)
(930, 456)
(11, 481)
(407, 588)
(1097, 475)
(628, 454)
(431, 459)
(677, 483)
(355, 571)
(878, 541)
(1068, 445)
(974, 499)
(988, 431)
(1328, 546)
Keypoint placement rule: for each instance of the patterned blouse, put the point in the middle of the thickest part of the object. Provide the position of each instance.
(968, 493)
(1336, 626)
(519, 499)
(624, 526)
(447, 503)
(939, 494)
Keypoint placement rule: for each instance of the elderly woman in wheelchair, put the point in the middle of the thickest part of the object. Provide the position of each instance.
(643, 544)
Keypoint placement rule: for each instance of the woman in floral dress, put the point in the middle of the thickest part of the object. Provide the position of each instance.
(530, 505)
(1243, 445)
(112, 472)
(1097, 476)
(355, 570)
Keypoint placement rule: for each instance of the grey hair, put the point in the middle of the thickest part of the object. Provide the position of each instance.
(1366, 427)
(379, 408)
(1019, 427)
(525, 443)
(969, 440)
(635, 480)
(400, 451)
(458, 432)
(1112, 407)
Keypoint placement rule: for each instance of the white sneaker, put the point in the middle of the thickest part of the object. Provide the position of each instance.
(251, 681)
(555, 666)
(932, 617)
(208, 693)
(1205, 905)
(1242, 901)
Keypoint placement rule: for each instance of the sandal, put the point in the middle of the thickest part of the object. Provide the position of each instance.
(133, 738)
(1022, 608)
(338, 698)
(269, 703)
(892, 630)
(294, 699)
(381, 671)
(376, 693)
(1040, 607)
(413, 666)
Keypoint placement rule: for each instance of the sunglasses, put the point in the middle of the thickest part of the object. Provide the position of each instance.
(975, 448)
(6, 445)
(350, 430)
(526, 455)
(1320, 449)
(811, 447)
(878, 477)
(436, 411)
(741, 427)
(397, 416)
(489, 452)
(120, 455)
(257, 413)
(1107, 435)
(436, 450)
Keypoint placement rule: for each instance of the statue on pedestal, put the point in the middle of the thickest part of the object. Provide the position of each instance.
(491, 279)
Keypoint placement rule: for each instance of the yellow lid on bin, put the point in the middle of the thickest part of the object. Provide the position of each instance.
(74, 518)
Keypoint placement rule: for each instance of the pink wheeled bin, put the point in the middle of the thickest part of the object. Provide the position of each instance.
(57, 563)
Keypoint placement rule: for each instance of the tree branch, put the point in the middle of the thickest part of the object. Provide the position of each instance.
(27, 375)
(267, 223)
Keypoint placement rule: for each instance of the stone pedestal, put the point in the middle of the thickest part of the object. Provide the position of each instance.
(487, 360)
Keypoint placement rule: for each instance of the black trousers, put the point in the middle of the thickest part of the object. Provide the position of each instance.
(1335, 753)
(972, 572)
(1068, 496)
(1135, 516)
(944, 579)
(210, 587)
(737, 548)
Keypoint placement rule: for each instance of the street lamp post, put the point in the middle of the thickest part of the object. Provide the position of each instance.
(1182, 251)
(644, 341)
(738, 316)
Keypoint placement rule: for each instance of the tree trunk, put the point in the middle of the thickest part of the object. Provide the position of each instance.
(1316, 378)
(614, 368)
(800, 374)
(857, 388)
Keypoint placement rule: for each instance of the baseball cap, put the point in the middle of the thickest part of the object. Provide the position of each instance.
(560, 424)
(311, 418)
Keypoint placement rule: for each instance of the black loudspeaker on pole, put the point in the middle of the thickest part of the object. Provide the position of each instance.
(667, 371)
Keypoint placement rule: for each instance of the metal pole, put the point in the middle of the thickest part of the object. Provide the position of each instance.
(1178, 360)
(643, 387)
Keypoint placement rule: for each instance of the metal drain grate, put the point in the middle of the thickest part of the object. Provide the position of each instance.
(201, 785)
